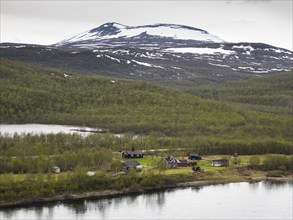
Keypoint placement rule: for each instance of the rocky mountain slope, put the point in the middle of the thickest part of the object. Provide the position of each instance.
(164, 53)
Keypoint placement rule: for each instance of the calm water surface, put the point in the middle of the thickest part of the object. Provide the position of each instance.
(264, 200)
(11, 129)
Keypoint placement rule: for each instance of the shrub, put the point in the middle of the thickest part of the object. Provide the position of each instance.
(275, 173)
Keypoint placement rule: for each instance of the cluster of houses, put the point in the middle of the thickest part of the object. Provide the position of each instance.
(170, 162)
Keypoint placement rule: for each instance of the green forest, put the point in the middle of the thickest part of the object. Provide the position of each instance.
(271, 93)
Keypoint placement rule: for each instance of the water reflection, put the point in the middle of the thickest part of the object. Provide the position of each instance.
(154, 200)
(39, 212)
(274, 185)
(229, 201)
(196, 188)
(254, 186)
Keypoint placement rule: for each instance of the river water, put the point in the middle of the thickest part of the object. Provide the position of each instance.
(262, 200)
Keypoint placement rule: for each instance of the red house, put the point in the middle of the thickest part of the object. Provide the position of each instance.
(182, 163)
(185, 163)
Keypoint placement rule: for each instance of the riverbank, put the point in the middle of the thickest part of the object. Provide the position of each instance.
(133, 190)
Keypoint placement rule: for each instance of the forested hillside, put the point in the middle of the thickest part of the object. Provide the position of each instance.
(269, 93)
(41, 95)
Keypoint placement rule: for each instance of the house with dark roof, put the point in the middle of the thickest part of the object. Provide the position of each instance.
(132, 154)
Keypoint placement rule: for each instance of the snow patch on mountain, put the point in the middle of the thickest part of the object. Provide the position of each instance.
(278, 50)
(146, 64)
(220, 65)
(200, 50)
(113, 58)
(114, 31)
(243, 47)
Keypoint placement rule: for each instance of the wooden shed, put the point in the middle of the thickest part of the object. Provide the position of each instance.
(194, 156)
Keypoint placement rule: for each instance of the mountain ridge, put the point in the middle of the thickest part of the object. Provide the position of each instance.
(151, 56)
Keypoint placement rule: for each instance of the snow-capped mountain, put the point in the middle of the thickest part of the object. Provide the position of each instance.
(165, 53)
(158, 35)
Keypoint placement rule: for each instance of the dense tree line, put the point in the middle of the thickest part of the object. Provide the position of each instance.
(272, 90)
(28, 145)
(90, 158)
(272, 162)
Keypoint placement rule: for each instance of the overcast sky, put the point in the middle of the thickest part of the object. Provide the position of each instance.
(47, 22)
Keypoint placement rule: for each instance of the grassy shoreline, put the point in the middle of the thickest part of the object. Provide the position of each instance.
(205, 181)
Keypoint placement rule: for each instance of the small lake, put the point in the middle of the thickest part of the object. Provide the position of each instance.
(262, 200)
(10, 129)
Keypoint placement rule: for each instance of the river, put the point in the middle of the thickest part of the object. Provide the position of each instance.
(261, 200)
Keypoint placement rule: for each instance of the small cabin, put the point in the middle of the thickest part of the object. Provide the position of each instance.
(220, 163)
(194, 156)
(132, 154)
(56, 169)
